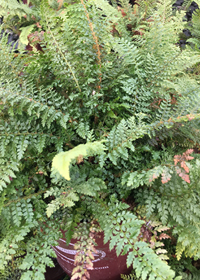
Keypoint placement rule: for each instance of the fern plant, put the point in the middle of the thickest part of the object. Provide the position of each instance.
(98, 114)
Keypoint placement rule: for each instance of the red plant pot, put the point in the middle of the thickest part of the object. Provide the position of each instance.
(54, 273)
(106, 264)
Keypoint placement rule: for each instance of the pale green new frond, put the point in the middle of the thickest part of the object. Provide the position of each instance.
(62, 161)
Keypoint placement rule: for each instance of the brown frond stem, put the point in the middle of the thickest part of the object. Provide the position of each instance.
(95, 38)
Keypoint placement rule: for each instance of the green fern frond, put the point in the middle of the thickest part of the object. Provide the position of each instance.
(34, 102)
(17, 8)
(121, 229)
(7, 171)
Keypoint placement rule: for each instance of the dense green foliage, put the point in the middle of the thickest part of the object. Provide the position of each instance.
(193, 26)
(103, 109)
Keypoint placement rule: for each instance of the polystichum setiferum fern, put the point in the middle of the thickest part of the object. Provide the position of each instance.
(93, 117)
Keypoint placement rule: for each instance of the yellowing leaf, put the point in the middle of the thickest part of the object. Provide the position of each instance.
(61, 161)
(25, 31)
